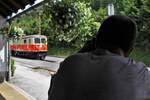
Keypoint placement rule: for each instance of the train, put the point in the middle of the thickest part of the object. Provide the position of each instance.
(33, 46)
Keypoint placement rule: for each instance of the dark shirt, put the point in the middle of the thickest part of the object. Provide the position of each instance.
(99, 75)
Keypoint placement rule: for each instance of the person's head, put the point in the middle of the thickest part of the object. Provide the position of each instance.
(117, 32)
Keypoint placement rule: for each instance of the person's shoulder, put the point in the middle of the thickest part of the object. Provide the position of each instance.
(127, 61)
(73, 62)
(138, 66)
(76, 57)
(120, 59)
(131, 66)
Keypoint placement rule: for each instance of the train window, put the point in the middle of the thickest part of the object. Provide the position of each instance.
(15, 41)
(30, 41)
(43, 40)
(25, 41)
(37, 40)
(19, 41)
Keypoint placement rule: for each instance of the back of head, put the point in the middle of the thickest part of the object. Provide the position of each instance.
(116, 32)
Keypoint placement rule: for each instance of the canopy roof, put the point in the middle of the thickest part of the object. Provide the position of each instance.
(7, 7)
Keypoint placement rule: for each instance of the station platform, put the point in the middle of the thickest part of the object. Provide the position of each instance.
(11, 92)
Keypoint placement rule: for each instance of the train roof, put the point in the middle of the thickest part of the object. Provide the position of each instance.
(34, 36)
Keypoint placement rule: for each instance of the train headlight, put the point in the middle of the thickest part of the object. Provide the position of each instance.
(40, 46)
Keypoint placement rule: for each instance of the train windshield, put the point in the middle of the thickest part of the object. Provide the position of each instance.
(43, 40)
(37, 40)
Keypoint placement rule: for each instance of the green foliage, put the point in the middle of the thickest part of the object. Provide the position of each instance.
(140, 55)
(72, 23)
(66, 22)
(13, 67)
(100, 14)
(144, 26)
(126, 7)
(61, 51)
(140, 11)
(26, 23)
(97, 4)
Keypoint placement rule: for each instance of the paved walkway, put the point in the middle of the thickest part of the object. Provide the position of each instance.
(32, 82)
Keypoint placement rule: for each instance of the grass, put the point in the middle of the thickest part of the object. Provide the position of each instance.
(61, 52)
(138, 55)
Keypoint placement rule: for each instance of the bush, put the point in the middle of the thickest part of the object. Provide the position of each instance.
(141, 55)
(71, 23)
(13, 67)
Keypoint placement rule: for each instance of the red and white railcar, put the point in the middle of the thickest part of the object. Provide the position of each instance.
(30, 46)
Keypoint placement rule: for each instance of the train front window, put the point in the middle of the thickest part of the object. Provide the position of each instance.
(30, 41)
(37, 40)
(43, 40)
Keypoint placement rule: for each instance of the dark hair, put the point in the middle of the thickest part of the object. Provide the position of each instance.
(117, 32)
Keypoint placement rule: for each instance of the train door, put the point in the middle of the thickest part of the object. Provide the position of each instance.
(30, 46)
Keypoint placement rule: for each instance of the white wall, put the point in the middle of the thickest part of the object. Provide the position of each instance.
(3, 22)
(3, 51)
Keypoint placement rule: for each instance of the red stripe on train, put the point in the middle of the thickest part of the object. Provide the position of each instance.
(29, 48)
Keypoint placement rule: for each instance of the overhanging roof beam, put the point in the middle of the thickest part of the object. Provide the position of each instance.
(3, 12)
(15, 3)
(5, 5)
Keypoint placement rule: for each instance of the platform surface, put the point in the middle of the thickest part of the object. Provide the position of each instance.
(10, 92)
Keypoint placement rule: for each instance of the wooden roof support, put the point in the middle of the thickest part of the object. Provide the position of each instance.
(17, 5)
(3, 11)
(31, 1)
(6, 6)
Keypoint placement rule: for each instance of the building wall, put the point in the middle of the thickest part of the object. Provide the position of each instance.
(4, 48)
(3, 22)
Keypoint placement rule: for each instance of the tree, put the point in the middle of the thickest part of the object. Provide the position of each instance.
(144, 33)
(66, 22)
(125, 7)
(139, 11)
(72, 23)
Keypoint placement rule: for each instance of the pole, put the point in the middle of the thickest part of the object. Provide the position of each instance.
(39, 23)
(111, 10)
